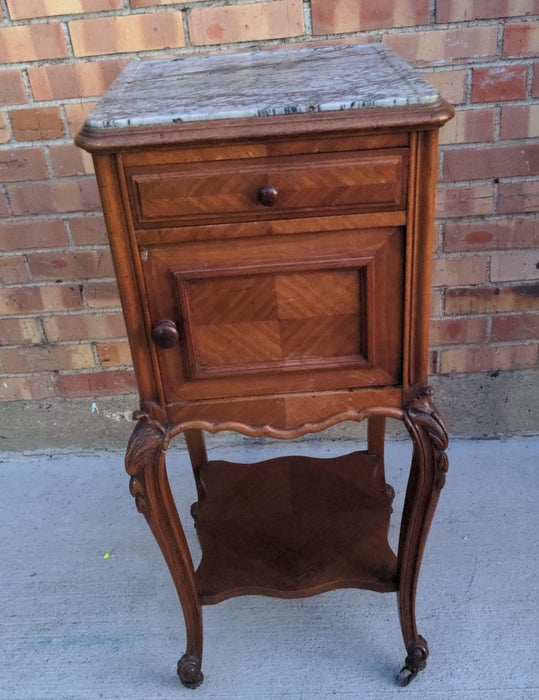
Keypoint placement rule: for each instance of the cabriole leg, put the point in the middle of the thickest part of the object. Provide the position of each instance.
(196, 446)
(145, 463)
(427, 478)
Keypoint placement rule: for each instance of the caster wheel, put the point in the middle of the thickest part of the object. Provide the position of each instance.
(189, 671)
(406, 676)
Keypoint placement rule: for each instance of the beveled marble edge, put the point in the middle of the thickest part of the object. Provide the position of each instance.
(139, 84)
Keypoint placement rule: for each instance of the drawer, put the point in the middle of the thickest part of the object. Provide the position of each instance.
(267, 188)
(312, 312)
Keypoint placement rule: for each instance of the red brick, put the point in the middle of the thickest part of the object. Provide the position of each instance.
(13, 270)
(36, 123)
(19, 331)
(26, 388)
(28, 9)
(436, 299)
(4, 133)
(521, 39)
(514, 265)
(25, 300)
(4, 208)
(444, 45)
(515, 327)
(459, 271)
(88, 230)
(451, 84)
(469, 126)
(87, 326)
(520, 122)
(498, 83)
(46, 358)
(535, 82)
(251, 22)
(76, 114)
(141, 32)
(491, 161)
(135, 4)
(464, 11)
(114, 354)
(12, 92)
(78, 265)
(32, 42)
(341, 16)
(24, 234)
(518, 197)
(491, 234)
(487, 300)
(100, 295)
(69, 160)
(458, 331)
(53, 197)
(22, 164)
(65, 81)
(486, 359)
(109, 383)
(475, 200)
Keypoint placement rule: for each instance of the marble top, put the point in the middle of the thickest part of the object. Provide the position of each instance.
(260, 83)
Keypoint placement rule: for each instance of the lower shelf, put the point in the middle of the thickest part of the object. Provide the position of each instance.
(294, 526)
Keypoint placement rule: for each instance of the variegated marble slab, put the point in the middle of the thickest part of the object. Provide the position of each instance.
(260, 83)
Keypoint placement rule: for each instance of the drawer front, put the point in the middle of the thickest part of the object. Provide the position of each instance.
(322, 311)
(267, 188)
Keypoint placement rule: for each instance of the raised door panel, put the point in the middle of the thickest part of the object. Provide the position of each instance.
(311, 312)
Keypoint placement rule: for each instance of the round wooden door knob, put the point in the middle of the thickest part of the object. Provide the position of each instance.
(267, 196)
(165, 334)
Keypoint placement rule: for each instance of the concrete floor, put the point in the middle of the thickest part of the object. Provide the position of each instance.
(78, 625)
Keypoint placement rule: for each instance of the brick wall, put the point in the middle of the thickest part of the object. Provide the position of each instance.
(61, 328)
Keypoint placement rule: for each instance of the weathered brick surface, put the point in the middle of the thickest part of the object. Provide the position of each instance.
(12, 92)
(32, 42)
(22, 164)
(342, 16)
(251, 22)
(491, 161)
(520, 122)
(45, 358)
(36, 123)
(114, 354)
(72, 80)
(515, 327)
(20, 331)
(489, 359)
(465, 10)
(109, 383)
(445, 45)
(499, 82)
(28, 9)
(469, 126)
(518, 197)
(54, 197)
(104, 35)
(521, 39)
(491, 234)
(61, 330)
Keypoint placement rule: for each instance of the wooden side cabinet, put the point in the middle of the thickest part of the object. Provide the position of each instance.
(270, 216)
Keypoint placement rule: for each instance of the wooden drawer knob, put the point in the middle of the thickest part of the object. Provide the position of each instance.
(165, 334)
(267, 196)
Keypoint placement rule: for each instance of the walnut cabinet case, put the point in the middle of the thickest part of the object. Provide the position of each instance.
(270, 217)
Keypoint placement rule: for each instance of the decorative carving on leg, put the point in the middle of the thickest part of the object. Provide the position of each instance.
(145, 463)
(427, 478)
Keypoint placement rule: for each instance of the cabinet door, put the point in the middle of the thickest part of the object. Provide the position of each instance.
(279, 314)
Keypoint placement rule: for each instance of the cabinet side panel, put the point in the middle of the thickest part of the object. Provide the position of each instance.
(132, 303)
